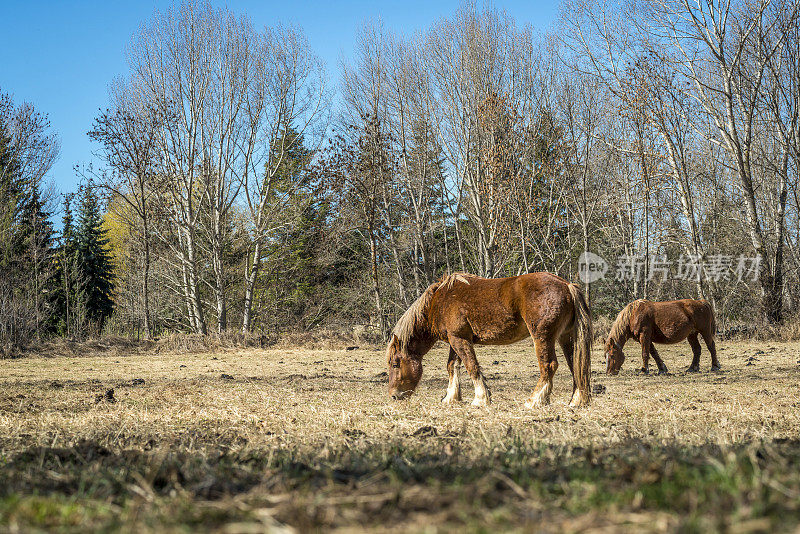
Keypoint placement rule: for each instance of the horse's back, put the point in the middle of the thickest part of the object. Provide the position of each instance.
(499, 310)
(508, 290)
(675, 319)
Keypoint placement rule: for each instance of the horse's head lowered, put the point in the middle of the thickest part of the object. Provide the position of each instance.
(620, 332)
(411, 339)
(405, 367)
(614, 356)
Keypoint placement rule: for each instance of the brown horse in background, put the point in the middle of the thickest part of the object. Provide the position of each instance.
(662, 322)
(465, 310)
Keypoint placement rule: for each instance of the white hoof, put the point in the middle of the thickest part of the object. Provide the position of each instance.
(481, 392)
(536, 403)
(539, 399)
(578, 400)
(451, 399)
(480, 401)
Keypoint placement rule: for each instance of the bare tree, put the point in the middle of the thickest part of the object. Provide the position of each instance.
(470, 57)
(358, 167)
(287, 92)
(582, 109)
(128, 133)
(724, 50)
(224, 94)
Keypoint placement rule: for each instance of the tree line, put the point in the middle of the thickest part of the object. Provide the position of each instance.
(50, 283)
(240, 190)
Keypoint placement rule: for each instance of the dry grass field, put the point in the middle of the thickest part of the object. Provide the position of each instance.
(303, 440)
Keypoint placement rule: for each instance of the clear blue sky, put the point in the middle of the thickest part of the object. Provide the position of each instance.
(61, 55)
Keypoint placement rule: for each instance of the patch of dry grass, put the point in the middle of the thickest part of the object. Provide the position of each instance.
(789, 330)
(246, 440)
(185, 343)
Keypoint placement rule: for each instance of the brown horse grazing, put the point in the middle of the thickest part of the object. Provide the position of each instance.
(662, 322)
(464, 310)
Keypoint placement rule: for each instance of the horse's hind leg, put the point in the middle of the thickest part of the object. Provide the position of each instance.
(695, 344)
(662, 367)
(568, 346)
(454, 386)
(712, 348)
(546, 354)
(466, 352)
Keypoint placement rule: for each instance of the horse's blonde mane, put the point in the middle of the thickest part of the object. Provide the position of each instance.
(450, 279)
(414, 317)
(622, 321)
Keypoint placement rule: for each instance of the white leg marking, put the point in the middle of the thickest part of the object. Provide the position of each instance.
(481, 397)
(577, 399)
(453, 388)
(541, 397)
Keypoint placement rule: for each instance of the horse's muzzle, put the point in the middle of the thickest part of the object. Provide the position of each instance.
(400, 395)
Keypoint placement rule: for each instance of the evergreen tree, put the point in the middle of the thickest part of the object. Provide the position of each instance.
(35, 256)
(65, 279)
(26, 232)
(35, 230)
(93, 261)
(291, 274)
(292, 170)
(10, 185)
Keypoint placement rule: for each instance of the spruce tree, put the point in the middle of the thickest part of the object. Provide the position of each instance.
(34, 258)
(65, 278)
(26, 232)
(291, 271)
(10, 181)
(93, 261)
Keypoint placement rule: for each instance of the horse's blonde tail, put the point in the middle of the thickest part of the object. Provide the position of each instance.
(713, 322)
(581, 360)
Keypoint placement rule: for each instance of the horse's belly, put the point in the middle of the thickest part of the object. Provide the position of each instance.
(669, 336)
(500, 332)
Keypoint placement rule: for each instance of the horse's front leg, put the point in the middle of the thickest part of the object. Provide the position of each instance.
(644, 339)
(662, 367)
(454, 386)
(546, 354)
(466, 352)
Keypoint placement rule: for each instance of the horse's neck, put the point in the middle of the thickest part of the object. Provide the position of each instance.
(430, 342)
(426, 329)
(424, 341)
(622, 338)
